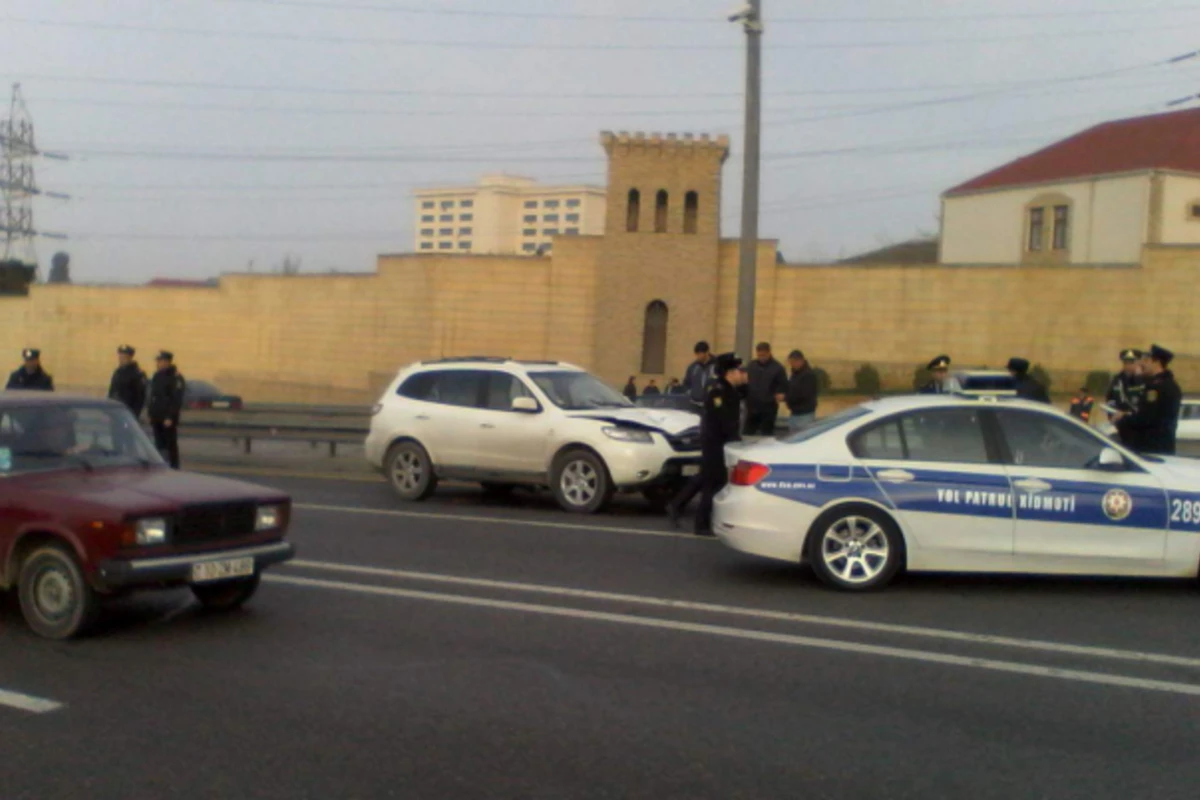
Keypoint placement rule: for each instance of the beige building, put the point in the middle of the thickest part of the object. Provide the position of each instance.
(504, 215)
(1099, 197)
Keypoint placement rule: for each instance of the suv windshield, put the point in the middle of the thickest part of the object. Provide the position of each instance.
(51, 437)
(577, 391)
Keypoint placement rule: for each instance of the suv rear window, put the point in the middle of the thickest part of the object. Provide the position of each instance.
(452, 387)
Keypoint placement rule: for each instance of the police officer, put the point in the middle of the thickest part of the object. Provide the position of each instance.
(1151, 428)
(1125, 391)
(940, 383)
(1027, 387)
(165, 405)
(31, 376)
(128, 384)
(718, 427)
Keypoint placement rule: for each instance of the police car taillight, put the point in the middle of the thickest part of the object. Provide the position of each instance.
(748, 473)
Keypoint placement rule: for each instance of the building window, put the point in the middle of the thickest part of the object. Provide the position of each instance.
(531, 203)
(467, 204)
(447, 204)
(660, 211)
(572, 204)
(529, 232)
(691, 211)
(464, 231)
(427, 218)
(1194, 210)
(428, 204)
(550, 204)
(464, 245)
(571, 218)
(446, 218)
(427, 231)
(634, 211)
(1037, 225)
(572, 231)
(1062, 227)
(445, 245)
(550, 232)
(426, 245)
(530, 217)
(446, 232)
(466, 217)
(550, 218)
(654, 339)
(529, 247)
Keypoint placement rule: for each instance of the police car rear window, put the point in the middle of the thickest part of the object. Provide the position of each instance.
(826, 424)
(944, 435)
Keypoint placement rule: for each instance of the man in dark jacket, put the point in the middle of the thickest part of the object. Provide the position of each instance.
(30, 376)
(766, 388)
(718, 427)
(165, 405)
(1151, 429)
(1027, 387)
(700, 373)
(128, 384)
(630, 391)
(801, 392)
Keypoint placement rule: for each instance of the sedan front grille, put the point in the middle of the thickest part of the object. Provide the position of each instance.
(214, 522)
(685, 442)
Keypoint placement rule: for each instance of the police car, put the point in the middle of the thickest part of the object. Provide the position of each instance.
(955, 484)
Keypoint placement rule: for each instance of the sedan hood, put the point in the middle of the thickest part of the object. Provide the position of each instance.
(137, 489)
(666, 420)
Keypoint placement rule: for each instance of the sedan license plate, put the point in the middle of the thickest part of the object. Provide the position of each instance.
(205, 571)
(690, 470)
(220, 404)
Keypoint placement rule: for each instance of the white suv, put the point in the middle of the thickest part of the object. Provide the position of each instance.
(508, 423)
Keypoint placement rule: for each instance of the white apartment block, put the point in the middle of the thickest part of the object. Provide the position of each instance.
(504, 215)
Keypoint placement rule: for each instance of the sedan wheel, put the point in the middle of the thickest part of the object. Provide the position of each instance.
(581, 483)
(410, 471)
(856, 550)
(56, 600)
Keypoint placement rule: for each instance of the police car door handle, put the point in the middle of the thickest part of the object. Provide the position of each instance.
(1032, 485)
(896, 476)
(423, 417)
(487, 425)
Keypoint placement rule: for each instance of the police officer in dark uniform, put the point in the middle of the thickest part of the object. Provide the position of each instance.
(128, 384)
(718, 426)
(1125, 391)
(1151, 428)
(165, 406)
(1027, 387)
(30, 376)
(939, 384)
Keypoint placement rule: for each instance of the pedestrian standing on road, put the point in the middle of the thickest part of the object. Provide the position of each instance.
(630, 391)
(699, 374)
(651, 389)
(766, 388)
(939, 381)
(674, 387)
(1081, 405)
(1151, 429)
(128, 384)
(1027, 387)
(30, 376)
(165, 406)
(1125, 391)
(718, 427)
(801, 392)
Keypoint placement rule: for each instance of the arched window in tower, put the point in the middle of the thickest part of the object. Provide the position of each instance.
(691, 210)
(633, 211)
(654, 339)
(661, 203)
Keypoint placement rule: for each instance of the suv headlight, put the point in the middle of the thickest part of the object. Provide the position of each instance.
(152, 530)
(629, 435)
(268, 518)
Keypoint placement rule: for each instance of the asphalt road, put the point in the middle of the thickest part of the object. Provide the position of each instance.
(469, 649)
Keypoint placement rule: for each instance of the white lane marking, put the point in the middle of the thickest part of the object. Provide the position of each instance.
(1078, 676)
(387, 512)
(783, 616)
(27, 702)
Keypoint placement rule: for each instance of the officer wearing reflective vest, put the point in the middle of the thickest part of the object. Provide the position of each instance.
(718, 427)
(1151, 428)
(1081, 405)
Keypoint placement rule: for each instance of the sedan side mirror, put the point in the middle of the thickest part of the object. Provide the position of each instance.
(1111, 459)
(525, 405)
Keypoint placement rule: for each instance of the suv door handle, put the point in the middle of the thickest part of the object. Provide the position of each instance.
(1032, 485)
(896, 476)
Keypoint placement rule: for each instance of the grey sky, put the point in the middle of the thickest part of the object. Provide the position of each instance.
(918, 95)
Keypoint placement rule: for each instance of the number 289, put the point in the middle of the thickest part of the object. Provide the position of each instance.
(1185, 511)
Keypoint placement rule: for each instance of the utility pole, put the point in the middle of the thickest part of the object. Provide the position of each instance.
(751, 19)
(18, 185)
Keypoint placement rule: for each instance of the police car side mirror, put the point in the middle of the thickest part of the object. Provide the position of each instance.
(1110, 459)
(526, 405)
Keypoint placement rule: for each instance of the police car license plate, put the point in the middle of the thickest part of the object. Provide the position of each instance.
(220, 404)
(690, 470)
(205, 571)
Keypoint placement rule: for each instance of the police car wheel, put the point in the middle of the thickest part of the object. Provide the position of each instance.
(855, 548)
(410, 471)
(580, 482)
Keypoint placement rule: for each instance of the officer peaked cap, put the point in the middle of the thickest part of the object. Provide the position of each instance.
(166, 355)
(941, 362)
(1132, 354)
(31, 353)
(125, 350)
(727, 362)
(1161, 354)
(1018, 365)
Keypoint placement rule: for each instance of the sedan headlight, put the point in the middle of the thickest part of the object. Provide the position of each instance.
(152, 530)
(268, 518)
(629, 435)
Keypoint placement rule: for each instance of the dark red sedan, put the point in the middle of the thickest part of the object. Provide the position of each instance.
(88, 509)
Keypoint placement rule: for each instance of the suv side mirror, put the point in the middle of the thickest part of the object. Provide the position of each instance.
(525, 405)
(1111, 459)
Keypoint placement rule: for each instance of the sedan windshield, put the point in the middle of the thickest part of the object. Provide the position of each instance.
(577, 391)
(51, 437)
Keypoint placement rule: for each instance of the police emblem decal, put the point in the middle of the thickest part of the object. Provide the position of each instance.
(1117, 504)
